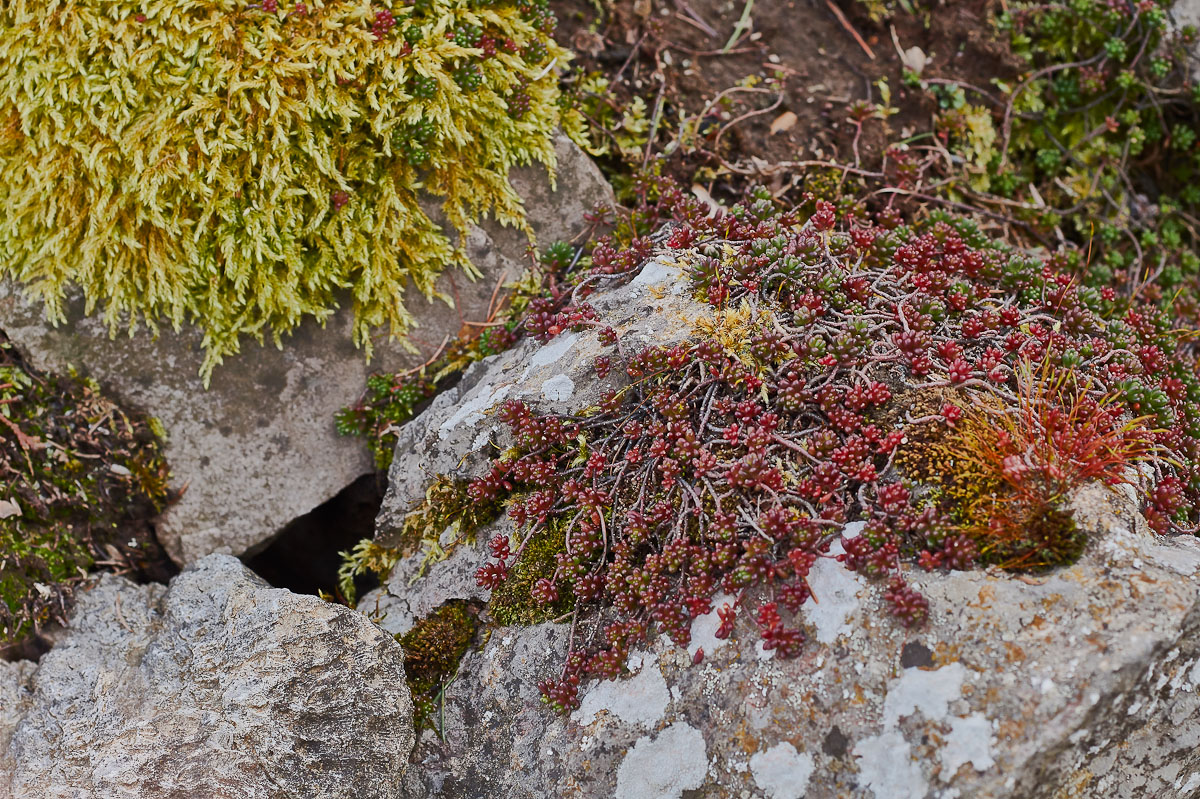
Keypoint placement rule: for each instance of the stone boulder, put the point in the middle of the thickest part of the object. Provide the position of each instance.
(1184, 14)
(259, 447)
(448, 437)
(1082, 682)
(216, 686)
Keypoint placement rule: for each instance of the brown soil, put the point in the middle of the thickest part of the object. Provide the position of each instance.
(802, 60)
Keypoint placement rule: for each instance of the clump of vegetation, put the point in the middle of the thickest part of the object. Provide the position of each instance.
(524, 597)
(446, 512)
(1004, 474)
(368, 558)
(392, 399)
(388, 401)
(733, 462)
(77, 474)
(603, 126)
(881, 10)
(432, 651)
(241, 165)
(1094, 145)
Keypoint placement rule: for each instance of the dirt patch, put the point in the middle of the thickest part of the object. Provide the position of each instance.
(783, 90)
(82, 479)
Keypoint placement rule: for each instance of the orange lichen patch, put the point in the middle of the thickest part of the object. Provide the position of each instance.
(946, 652)
(987, 595)
(1010, 729)
(746, 740)
(1075, 785)
(1015, 653)
(1049, 602)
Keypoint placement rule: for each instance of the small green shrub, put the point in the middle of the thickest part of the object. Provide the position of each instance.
(239, 165)
(1094, 143)
(1102, 129)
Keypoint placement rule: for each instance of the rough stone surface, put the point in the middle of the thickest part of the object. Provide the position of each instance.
(14, 695)
(1185, 13)
(410, 595)
(1083, 682)
(218, 686)
(781, 771)
(259, 448)
(666, 764)
(451, 437)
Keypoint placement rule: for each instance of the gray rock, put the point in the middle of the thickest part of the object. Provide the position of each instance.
(451, 437)
(259, 447)
(14, 696)
(1184, 13)
(1084, 682)
(415, 588)
(216, 686)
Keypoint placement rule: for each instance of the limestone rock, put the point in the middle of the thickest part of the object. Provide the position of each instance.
(14, 696)
(1186, 13)
(450, 437)
(216, 686)
(1083, 682)
(259, 447)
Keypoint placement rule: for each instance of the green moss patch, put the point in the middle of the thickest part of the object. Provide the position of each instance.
(513, 601)
(432, 651)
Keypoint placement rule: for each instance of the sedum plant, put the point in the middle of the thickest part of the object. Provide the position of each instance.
(947, 392)
(1093, 143)
(239, 165)
(1101, 139)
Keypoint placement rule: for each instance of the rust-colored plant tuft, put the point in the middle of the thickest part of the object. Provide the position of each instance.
(1016, 466)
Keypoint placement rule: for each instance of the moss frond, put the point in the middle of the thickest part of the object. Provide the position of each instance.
(240, 165)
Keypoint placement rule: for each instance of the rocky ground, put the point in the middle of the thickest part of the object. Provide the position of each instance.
(395, 666)
(1084, 682)
(1081, 682)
